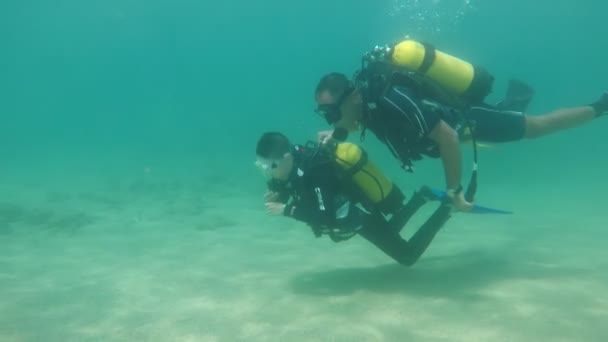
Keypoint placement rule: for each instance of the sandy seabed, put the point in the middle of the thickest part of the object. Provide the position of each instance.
(172, 260)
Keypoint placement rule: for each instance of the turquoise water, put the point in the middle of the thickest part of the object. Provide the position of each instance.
(130, 208)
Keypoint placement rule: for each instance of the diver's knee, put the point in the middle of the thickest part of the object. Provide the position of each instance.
(408, 261)
(534, 127)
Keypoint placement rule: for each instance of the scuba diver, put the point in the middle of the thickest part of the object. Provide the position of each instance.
(419, 101)
(337, 191)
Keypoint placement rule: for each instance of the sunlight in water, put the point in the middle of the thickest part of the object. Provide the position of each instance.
(431, 16)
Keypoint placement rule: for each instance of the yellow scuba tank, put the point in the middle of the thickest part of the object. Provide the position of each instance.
(451, 73)
(368, 178)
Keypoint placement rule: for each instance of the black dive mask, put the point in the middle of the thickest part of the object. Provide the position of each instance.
(331, 112)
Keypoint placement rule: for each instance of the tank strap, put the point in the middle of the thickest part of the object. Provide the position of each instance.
(359, 164)
(481, 86)
(429, 58)
(393, 202)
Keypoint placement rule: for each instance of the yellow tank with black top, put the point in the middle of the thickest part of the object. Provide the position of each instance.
(368, 177)
(453, 74)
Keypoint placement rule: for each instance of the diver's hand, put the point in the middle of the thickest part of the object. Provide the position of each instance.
(275, 208)
(270, 196)
(460, 203)
(325, 136)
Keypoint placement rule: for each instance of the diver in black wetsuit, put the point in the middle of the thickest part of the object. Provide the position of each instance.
(338, 192)
(421, 102)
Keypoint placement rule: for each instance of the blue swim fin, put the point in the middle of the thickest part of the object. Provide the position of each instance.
(477, 209)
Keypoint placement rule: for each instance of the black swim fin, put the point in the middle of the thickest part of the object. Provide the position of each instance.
(601, 106)
(518, 97)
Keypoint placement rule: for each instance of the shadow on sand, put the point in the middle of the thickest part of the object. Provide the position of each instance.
(455, 277)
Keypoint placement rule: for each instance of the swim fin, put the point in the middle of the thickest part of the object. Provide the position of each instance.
(518, 97)
(477, 209)
(601, 106)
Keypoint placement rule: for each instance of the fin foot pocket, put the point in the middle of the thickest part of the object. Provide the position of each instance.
(518, 97)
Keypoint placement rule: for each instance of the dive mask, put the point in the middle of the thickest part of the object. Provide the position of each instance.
(267, 166)
(331, 112)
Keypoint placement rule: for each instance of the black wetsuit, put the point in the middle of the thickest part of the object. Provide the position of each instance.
(318, 195)
(404, 116)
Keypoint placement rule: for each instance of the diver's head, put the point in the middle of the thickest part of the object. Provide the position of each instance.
(274, 155)
(339, 101)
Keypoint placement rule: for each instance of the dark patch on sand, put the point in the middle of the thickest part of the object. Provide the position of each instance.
(106, 202)
(216, 223)
(13, 214)
(10, 213)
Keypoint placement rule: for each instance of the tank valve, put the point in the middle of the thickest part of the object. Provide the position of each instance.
(378, 53)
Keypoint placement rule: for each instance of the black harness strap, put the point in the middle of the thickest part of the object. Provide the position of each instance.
(429, 58)
(358, 166)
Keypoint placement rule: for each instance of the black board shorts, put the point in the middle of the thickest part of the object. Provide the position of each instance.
(494, 125)
(491, 124)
